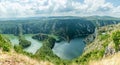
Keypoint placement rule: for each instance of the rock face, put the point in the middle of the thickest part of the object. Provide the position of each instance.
(110, 50)
(65, 28)
(72, 28)
(90, 38)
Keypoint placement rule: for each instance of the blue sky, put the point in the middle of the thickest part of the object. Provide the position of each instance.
(26, 8)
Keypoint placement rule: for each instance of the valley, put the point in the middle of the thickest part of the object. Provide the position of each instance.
(65, 40)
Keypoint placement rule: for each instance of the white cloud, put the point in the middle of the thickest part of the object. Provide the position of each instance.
(9, 8)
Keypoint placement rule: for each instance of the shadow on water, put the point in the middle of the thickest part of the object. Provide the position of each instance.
(70, 50)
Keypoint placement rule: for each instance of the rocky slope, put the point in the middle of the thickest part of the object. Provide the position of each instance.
(101, 51)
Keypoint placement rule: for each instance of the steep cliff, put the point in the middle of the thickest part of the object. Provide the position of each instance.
(66, 29)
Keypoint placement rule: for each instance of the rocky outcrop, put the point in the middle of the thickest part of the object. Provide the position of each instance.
(90, 38)
(109, 51)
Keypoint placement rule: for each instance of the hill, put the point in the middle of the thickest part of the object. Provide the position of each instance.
(102, 48)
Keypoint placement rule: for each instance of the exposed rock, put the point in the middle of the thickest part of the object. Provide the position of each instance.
(109, 51)
(90, 38)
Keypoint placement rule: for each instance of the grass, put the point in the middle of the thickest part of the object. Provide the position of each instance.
(13, 58)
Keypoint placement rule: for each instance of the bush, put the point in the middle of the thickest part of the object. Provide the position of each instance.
(18, 48)
(6, 48)
(116, 39)
(4, 44)
(104, 36)
(93, 55)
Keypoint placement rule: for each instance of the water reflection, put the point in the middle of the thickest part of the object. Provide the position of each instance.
(70, 50)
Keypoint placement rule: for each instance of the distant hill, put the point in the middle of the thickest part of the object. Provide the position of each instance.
(61, 17)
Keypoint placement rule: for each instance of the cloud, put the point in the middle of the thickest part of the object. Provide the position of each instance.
(18, 8)
(15, 9)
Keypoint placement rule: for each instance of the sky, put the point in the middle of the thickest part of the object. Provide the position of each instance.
(28, 8)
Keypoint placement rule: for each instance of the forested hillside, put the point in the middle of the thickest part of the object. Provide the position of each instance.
(95, 34)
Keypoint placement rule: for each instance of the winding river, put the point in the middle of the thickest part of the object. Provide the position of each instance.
(62, 49)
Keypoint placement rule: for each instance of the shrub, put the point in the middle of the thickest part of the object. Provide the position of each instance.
(93, 55)
(18, 48)
(116, 39)
(6, 47)
(4, 44)
(104, 36)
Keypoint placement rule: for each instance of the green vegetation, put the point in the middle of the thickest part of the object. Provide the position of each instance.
(116, 39)
(24, 43)
(45, 52)
(20, 50)
(93, 55)
(64, 29)
(5, 44)
(96, 49)
(104, 36)
(40, 36)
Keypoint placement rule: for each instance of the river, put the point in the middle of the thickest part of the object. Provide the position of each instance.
(62, 49)
(70, 50)
(35, 44)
